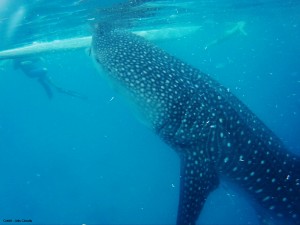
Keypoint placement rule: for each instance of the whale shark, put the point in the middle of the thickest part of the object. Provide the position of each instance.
(215, 134)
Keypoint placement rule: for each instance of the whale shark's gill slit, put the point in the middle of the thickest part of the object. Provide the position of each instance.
(212, 131)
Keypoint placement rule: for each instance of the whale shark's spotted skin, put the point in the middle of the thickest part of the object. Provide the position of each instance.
(213, 132)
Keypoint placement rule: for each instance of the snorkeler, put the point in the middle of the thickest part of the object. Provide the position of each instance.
(237, 29)
(33, 68)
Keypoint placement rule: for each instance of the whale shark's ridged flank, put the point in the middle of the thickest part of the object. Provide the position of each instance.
(213, 132)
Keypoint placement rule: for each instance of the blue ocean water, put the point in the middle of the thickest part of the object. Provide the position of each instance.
(68, 160)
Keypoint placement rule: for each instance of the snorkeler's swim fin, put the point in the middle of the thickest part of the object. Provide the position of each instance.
(66, 91)
(46, 87)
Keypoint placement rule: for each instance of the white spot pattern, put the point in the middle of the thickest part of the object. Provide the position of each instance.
(187, 108)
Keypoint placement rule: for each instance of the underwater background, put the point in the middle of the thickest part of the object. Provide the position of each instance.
(69, 160)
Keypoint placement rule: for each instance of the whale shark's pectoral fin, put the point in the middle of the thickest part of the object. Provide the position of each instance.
(197, 180)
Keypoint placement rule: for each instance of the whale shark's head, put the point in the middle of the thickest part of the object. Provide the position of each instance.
(150, 77)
